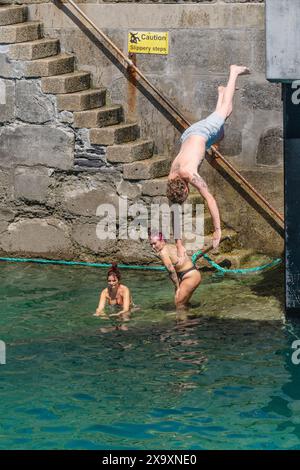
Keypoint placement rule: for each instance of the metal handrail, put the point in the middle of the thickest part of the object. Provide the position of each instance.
(179, 117)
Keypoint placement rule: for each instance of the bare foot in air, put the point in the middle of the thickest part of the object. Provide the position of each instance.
(240, 69)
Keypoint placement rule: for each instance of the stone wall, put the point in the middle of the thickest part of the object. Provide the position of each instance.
(133, 1)
(205, 37)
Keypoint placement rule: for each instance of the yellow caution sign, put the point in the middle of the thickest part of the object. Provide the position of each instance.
(148, 42)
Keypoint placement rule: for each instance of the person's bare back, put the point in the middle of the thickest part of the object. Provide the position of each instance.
(189, 158)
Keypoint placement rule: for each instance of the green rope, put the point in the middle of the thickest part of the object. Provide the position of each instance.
(219, 268)
(80, 263)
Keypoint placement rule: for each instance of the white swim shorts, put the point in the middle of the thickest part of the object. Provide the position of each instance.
(210, 128)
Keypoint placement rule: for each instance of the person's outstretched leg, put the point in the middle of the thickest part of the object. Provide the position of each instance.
(221, 91)
(224, 107)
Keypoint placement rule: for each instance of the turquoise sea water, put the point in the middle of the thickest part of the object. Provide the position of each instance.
(214, 380)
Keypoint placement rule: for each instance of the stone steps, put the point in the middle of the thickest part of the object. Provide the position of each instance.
(227, 245)
(32, 50)
(233, 260)
(82, 100)
(146, 169)
(99, 124)
(118, 134)
(99, 117)
(130, 152)
(66, 83)
(21, 32)
(49, 66)
(12, 14)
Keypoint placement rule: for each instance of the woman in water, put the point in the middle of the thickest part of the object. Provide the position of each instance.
(183, 273)
(116, 295)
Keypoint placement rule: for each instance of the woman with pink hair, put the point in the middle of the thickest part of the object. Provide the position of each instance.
(183, 273)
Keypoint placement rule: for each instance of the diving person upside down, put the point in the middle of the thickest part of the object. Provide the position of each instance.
(194, 142)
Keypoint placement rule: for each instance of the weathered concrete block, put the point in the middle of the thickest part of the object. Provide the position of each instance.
(258, 42)
(184, 54)
(7, 100)
(36, 145)
(210, 54)
(232, 143)
(270, 147)
(155, 187)
(66, 117)
(11, 14)
(131, 251)
(130, 152)
(36, 237)
(33, 105)
(48, 66)
(118, 134)
(265, 96)
(82, 100)
(5, 186)
(98, 117)
(31, 184)
(32, 50)
(235, 49)
(144, 170)
(85, 236)
(67, 83)
(8, 68)
(84, 201)
(28, 31)
(6, 214)
(130, 190)
(3, 226)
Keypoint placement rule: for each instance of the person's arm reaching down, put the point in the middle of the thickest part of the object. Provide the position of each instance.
(200, 184)
(101, 306)
(181, 251)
